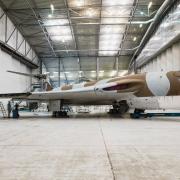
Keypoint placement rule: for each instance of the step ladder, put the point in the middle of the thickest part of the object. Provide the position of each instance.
(3, 111)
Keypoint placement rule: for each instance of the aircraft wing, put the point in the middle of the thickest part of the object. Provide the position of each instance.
(16, 95)
(51, 95)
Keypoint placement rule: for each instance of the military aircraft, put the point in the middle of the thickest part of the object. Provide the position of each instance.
(137, 91)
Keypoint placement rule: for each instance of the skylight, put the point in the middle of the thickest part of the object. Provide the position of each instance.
(58, 29)
(113, 12)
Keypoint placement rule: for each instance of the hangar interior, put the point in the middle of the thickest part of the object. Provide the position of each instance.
(86, 41)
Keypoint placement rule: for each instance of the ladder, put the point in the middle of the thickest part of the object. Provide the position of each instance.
(2, 109)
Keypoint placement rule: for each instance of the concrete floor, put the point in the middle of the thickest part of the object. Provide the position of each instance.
(89, 149)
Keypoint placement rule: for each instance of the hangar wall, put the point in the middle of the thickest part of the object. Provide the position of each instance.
(12, 82)
(11, 38)
(169, 60)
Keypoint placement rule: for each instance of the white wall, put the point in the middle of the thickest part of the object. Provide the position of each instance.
(166, 61)
(11, 82)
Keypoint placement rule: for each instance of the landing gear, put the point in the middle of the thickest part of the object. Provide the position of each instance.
(119, 108)
(60, 114)
(63, 110)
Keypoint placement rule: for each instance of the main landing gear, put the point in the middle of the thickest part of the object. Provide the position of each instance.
(119, 108)
(60, 114)
(63, 113)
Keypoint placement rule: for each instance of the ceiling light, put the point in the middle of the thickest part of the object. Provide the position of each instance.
(79, 3)
(93, 71)
(140, 25)
(149, 5)
(66, 72)
(52, 7)
(135, 38)
(101, 71)
(142, 13)
(46, 72)
(50, 16)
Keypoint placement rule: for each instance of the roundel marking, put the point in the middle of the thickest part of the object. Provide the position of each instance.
(158, 83)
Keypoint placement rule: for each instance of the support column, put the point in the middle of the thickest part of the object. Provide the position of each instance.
(59, 72)
(97, 69)
(40, 66)
(117, 66)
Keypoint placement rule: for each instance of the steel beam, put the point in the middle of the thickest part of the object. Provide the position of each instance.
(87, 24)
(72, 32)
(44, 30)
(18, 56)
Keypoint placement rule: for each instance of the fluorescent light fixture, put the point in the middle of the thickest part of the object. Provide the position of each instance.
(76, 3)
(66, 72)
(80, 3)
(93, 71)
(101, 71)
(52, 7)
(149, 5)
(46, 72)
(140, 25)
(142, 13)
(135, 38)
(50, 16)
(80, 71)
